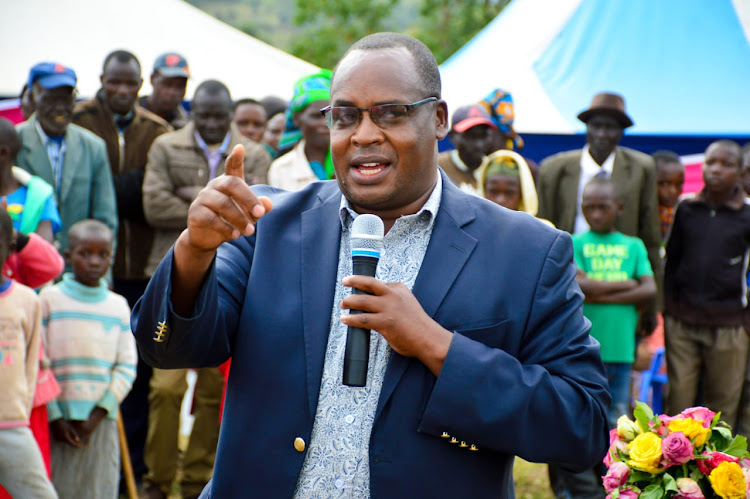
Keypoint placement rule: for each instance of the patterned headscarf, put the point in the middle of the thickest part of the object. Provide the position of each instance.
(307, 89)
(499, 103)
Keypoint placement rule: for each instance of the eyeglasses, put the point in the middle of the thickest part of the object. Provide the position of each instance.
(385, 116)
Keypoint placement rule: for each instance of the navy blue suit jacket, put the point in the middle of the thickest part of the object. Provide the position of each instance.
(522, 376)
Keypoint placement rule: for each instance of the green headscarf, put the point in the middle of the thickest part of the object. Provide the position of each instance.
(308, 89)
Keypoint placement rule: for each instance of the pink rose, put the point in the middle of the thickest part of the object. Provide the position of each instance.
(687, 488)
(613, 435)
(663, 427)
(676, 449)
(616, 447)
(714, 459)
(626, 494)
(701, 414)
(617, 475)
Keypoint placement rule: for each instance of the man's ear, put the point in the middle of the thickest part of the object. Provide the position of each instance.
(441, 119)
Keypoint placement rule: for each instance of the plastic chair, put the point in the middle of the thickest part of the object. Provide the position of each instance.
(653, 382)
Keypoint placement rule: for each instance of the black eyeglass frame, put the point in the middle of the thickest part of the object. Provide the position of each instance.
(407, 107)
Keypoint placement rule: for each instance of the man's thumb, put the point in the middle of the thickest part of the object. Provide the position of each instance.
(235, 164)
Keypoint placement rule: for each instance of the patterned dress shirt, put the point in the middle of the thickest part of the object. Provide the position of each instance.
(337, 463)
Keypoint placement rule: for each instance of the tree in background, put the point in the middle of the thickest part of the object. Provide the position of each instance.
(319, 31)
(333, 25)
(447, 25)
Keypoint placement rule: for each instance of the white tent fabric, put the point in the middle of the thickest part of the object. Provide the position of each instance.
(682, 65)
(80, 33)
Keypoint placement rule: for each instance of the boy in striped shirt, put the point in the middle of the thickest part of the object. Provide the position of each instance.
(93, 355)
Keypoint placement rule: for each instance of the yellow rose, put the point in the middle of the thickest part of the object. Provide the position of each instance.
(692, 428)
(645, 453)
(728, 481)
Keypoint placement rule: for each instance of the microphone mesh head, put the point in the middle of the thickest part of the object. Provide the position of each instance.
(367, 236)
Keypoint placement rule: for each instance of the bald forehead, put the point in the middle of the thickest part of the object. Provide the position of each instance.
(392, 63)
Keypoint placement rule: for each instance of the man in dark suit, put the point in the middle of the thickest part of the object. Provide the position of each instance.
(479, 350)
(562, 177)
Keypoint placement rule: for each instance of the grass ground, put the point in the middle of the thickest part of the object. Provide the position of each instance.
(531, 481)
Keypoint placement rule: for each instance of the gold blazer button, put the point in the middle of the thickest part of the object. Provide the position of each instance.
(299, 444)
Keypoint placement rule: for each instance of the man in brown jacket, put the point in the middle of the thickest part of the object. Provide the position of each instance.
(179, 165)
(128, 131)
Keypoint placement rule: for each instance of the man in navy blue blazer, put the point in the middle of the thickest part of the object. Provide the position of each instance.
(479, 350)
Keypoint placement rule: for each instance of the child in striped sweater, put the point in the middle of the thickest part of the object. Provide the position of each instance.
(93, 355)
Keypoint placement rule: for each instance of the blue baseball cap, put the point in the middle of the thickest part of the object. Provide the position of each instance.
(52, 75)
(172, 65)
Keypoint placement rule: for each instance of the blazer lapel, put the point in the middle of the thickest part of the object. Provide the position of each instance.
(37, 159)
(621, 175)
(568, 190)
(447, 253)
(320, 241)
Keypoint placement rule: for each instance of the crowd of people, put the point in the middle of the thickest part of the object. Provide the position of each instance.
(118, 197)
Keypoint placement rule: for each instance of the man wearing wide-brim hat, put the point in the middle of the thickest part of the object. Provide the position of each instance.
(561, 180)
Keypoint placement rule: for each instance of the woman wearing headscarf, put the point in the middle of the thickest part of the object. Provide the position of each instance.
(306, 130)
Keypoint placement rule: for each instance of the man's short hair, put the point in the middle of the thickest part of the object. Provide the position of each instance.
(665, 157)
(9, 137)
(122, 56)
(273, 105)
(424, 60)
(249, 101)
(606, 182)
(212, 87)
(83, 228)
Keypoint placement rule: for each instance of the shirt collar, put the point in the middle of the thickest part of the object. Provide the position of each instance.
(430, 207)
(736, 202)
(202, 144)
(45, 138)
(588, 164)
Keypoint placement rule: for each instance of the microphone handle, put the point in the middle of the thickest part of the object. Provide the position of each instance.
(357, 354)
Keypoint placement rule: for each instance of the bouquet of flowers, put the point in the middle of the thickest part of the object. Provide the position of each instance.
(692, 455)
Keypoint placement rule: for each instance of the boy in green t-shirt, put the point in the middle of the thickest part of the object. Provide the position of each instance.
(616, 278)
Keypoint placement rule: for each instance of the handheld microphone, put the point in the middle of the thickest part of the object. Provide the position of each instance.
(366, 243)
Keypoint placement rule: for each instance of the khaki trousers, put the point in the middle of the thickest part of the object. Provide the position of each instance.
(717, 354)
(168, 388)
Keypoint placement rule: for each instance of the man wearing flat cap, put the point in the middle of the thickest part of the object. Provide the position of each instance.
(68, 157)
(561, 181)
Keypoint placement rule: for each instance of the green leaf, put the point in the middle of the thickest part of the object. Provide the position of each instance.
(715, 419)
(639, 476)
(653, 491)
(643, 415)
(669, 483)
(737, 447)
(724, 432)
(696, 474)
